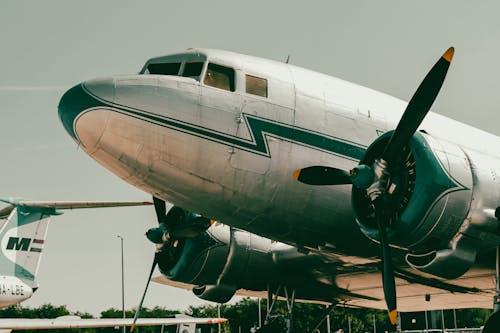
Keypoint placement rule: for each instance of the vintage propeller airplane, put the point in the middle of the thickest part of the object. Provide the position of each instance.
(322, 185)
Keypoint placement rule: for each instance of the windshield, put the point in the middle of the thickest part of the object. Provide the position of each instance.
(164, 69)
(184, 64)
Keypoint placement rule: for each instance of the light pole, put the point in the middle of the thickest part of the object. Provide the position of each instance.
(218, 315)
(123, 284)
(260, 315)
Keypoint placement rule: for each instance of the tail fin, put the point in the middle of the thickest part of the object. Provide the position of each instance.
(22, 238)
(22, 235)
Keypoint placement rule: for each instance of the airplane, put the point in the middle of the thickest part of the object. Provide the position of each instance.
(22, 238)
(330, 192)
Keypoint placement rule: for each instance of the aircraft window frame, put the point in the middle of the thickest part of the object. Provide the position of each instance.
(216, 75)
(164, 71)
(195, 74)
(256, 85)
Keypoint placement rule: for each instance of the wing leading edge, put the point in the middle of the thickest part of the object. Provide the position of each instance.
(76, 322)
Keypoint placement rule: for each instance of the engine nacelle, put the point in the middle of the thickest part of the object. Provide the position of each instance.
(445, 199)
(221, 260)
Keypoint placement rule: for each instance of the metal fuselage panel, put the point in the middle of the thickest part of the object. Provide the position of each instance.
(231, 155)
(13, 291)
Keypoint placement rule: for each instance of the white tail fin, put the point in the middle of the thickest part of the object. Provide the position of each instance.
(22, 238)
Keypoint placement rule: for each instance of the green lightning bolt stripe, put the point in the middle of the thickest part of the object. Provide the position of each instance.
(259, 129)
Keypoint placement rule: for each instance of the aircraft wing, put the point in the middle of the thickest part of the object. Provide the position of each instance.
(360, 286)
(74, 204)
(4, 212)
(76, 322)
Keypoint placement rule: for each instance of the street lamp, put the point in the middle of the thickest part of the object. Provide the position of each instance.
(218, 315)
(123, 284)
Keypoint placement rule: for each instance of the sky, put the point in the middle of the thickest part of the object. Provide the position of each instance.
(48, 46)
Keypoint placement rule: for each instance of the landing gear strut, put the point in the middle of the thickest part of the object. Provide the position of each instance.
(327, 312)
(278, 323)
(493, 323)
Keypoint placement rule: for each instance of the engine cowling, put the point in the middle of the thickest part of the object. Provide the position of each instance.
(219, 261)
(215, 293)
(438, 218)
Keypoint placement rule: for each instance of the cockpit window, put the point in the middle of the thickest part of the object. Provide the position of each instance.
(219, 77)
(192, 69)
(165, 68)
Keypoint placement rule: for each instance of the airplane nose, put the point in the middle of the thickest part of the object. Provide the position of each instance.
(84, 96)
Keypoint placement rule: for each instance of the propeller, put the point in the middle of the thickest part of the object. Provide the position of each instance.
(375, 178)
(161, 210)
(169, 230)
(177, 224)
(419, 106)
(388, 280)
(158, 238)
(155, 261)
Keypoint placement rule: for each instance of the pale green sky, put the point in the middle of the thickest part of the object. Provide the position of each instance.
(48, 46)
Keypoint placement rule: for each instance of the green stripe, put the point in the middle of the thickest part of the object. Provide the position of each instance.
(260, 129)
(78, 99)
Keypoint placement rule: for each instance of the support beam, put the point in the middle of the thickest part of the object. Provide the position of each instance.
(273, 292)
(493, 322)
(324, 316)
(496, 300)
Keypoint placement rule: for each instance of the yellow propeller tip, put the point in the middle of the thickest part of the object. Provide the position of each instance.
(448, 55)
(393, 316)
(296, 174)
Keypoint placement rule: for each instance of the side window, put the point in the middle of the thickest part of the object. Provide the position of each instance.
(164, 69)
(192, 69)
(256, 85)
(219, 77)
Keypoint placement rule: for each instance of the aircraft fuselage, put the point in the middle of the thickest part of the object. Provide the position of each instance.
(229, 153)
(13, 291)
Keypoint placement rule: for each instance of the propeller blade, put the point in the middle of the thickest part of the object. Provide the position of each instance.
(322, 175)
(160, 209)
(388, 279)
(155, 261)
(418, 107)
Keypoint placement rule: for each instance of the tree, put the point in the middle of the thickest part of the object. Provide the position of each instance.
(244, 315)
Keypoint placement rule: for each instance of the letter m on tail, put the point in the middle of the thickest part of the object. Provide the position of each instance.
(22, 238)
(18, 244)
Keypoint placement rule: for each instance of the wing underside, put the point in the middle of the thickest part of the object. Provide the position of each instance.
(361, 286)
